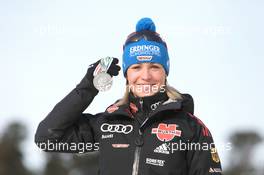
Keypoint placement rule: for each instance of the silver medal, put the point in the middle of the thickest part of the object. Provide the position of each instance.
(102, 80)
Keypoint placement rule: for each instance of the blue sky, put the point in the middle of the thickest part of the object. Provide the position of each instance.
(215, 49)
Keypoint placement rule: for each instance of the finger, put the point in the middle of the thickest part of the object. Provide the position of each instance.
(117, 67)
(114, 71)
(115, 61)
(114, 66)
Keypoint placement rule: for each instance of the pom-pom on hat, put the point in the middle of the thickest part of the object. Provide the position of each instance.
(145, 24)
(145, 45)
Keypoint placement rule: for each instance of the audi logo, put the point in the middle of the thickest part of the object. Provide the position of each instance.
(118, 128)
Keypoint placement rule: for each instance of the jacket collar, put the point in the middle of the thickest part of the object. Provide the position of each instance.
(147, 104)
(130, 109)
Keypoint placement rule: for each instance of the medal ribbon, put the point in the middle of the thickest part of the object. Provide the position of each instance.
(103, 66)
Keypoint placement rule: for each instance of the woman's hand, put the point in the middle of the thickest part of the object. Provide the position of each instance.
(87, 81)
(113, 69)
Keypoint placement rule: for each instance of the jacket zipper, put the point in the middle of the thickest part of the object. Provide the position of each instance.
(138, 147)
(139, 143)
(136, 161)
(141, 104)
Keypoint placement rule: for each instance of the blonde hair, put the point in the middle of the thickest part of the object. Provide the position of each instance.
(172, 93)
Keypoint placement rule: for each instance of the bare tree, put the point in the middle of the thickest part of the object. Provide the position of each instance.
(244, 143)
(10, 150)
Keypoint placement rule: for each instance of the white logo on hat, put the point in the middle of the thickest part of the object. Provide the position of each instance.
(144, 50)
(144, 58)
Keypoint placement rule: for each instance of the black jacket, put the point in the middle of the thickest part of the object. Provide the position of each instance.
(167, 140)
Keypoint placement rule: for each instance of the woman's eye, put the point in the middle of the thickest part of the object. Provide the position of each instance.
(135, 67)
(155, 67)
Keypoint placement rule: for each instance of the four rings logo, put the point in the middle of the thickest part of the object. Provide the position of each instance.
(118, 128)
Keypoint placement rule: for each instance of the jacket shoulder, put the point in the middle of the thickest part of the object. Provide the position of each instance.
(187, 103)
(197, 124)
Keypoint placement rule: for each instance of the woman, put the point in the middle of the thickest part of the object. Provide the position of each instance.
(151, 130)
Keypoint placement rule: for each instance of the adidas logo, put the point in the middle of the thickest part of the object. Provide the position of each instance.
(163, 149)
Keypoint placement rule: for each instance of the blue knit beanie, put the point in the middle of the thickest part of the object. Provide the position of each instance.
(145, 50)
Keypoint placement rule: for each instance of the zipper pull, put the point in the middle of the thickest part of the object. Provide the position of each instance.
(141, 104)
